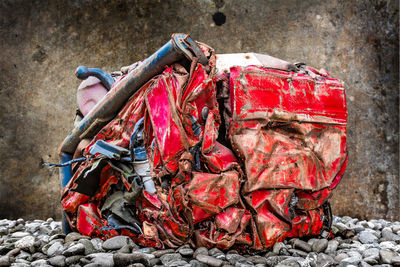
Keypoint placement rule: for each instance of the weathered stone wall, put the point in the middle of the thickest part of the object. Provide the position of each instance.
(42, 42)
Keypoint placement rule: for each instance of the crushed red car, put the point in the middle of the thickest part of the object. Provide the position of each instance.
(189, 147)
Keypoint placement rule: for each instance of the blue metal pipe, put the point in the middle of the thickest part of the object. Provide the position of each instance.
(65, 177)
(65, 172)
(82, 72)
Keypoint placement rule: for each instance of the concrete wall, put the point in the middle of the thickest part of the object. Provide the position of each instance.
(42, 42)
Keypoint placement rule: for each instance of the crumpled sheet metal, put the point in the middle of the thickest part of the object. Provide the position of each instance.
(288, 138)
(289, 129)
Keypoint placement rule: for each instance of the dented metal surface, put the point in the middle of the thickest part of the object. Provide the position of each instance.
(179, 47)
(246, 173)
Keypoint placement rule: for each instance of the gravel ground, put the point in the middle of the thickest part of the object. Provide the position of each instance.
(355, 243)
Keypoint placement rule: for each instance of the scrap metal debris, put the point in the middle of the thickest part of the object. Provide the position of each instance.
(188, 147)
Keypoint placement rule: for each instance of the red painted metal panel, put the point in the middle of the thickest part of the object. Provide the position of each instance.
(288, 135)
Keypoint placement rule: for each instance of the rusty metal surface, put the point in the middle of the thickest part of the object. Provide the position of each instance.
(268, 180)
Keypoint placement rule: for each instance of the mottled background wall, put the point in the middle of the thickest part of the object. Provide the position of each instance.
(42, 42)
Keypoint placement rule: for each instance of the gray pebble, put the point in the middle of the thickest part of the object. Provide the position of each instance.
(363, 264)
(324, 260)
(388, 245)
(387, 234)
(371, 252)
(155, 261)
(386, 255)
(284, 252)
(73, 236)
(257, 259)
(46, 238)
(21, 263)
(332, 246)
(312, 257)
(73, 259)
(371, 260)
(311, 241)
(97, 244)
(395, 261)
(74, 250)
(320, 245)
(244, 263)
(277, 247)
(341, 226)
(56, 236)
(346, 246)
(3, 231)
(339, 257)
(215, 252)
(13, 252)
(57, 261)
(122, 259)
(55, 249)
(94, 265)
(396, 228)
(377, 226)
(84, 261)
(56, 226)
(32, 227)
(186, 252)
(5, 261)
(358, 228)
(56, 240)
(178, 263)
(196, 263)
(115, 242)
(20, 234)
(24, 255)
(40, 262)
(290, 262)
(44, 229)
(38, 256)
(146, 250)
(149, 256)
(89, 248)
(126, 249)
(9, 246)
(211, 261)
(233, 258)
(12, 224)
(300, 244)
(171, 257)
(297, 252)
(159, 253)
(350, 261)
(45, 248)
(274, 260)
(19, 227)
(367, 237)
(103, 259)
(200, 250)
(354, 254)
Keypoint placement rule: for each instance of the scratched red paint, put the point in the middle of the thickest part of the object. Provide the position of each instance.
(288, 135)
